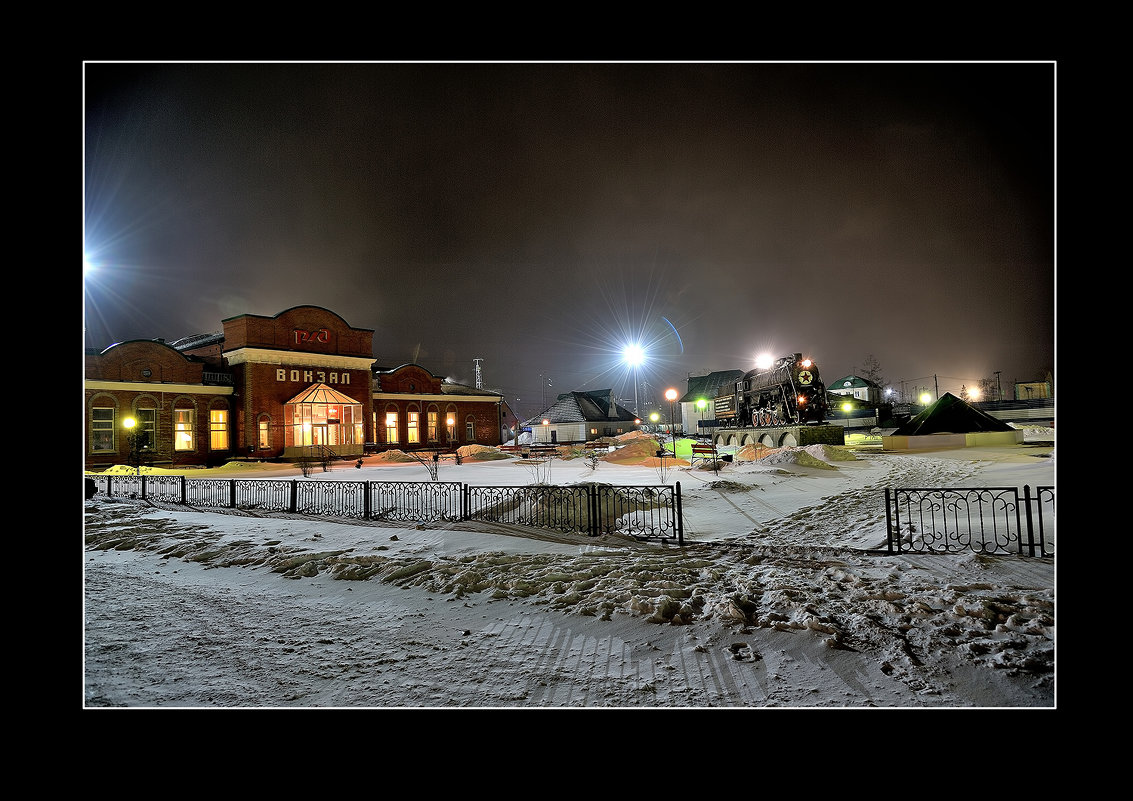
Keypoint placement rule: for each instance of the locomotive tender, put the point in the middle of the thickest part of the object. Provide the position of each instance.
(788, 393)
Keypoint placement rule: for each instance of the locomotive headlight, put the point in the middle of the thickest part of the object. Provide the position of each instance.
(807, 363)
(802, 399)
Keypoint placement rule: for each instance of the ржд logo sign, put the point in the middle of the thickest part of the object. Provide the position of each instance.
(321, 335)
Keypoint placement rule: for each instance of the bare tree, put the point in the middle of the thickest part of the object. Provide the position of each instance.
(431, 461)
(871, 371)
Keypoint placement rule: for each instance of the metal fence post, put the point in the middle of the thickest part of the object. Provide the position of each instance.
(680, 513)
(1030, 521)
(293, 504)
(592, 507)
(888, 523)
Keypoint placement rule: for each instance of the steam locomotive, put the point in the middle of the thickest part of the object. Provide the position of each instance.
(788, 393)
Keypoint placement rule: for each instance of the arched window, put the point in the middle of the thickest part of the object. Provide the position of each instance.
(392, 437)
(450, 426)
(183, 433)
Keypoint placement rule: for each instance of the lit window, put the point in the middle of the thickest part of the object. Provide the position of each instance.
(218, 429)
(147, 425)
(432, 426)
(183, 429)
(391, 428)
(265, 439)
(414, 427)
(102, 429)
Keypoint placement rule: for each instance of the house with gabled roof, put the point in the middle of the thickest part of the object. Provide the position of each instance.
(856, 387)
(697, 407)
(581, 417)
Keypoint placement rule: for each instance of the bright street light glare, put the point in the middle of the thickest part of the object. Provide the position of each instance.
(633, 354)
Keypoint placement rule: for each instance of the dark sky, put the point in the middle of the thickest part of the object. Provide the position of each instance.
(538, 217)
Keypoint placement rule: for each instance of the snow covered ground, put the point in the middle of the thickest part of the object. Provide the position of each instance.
(777, 599)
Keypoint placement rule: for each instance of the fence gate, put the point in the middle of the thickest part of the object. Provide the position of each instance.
(983, 520)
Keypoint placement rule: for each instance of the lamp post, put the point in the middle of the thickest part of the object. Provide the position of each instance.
(671, 396)
(132, 438)
(634, 356)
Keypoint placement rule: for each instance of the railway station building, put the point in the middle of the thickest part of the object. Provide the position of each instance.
(302, 383)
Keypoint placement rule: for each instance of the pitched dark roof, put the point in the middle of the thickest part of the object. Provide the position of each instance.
(951, 415)
(584, 407)
(708, 386)
(452, 388)
(851, 381)
(197, 340)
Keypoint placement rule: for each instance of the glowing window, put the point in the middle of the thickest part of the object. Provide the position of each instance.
(183, 429)
(218, 429)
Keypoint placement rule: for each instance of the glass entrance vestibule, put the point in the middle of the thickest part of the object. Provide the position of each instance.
(322, 417)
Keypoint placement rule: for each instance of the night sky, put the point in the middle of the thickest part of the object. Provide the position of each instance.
(539, 217)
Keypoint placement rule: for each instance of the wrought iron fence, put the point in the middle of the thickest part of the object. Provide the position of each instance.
(643, 512)
(984, 520)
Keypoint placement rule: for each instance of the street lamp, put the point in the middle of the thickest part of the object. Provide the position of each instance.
(671, 395)
(634, 356)
(132, 437)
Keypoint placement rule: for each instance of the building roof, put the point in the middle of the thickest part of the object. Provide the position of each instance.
(452, 388)
(950, 415)
(850, 382)
(321, 393)
(197, 340)
(708, 386)
(584, 407)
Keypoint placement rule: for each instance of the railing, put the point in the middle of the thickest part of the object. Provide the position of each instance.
(992, 520)
(650, 512)
(642, 512)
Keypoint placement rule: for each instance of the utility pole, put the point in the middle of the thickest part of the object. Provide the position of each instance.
(936, 387)
(544, 382)
(998, 386)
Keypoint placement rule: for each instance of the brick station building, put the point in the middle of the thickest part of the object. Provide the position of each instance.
(298, 384)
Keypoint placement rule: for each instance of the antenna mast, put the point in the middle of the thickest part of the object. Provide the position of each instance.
(479, 374)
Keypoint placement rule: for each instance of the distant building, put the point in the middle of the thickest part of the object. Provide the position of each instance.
(297, 384)
(856, 387)
(697, 407)
(1033, 390)
(581, 417)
